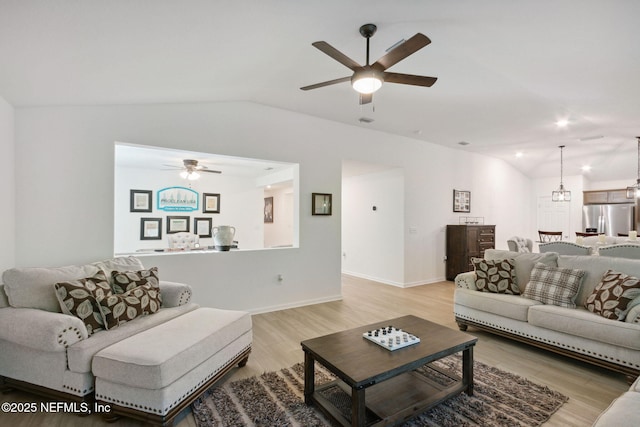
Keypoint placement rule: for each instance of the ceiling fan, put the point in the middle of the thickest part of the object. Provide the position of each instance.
(191, 170)
(368, 78)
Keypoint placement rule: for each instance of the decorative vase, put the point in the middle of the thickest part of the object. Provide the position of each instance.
(223, 237)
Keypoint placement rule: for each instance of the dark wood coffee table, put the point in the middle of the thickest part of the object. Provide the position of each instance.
(394, 393)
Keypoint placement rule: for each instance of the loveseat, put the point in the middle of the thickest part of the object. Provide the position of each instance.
(111, 331)
(546, 312)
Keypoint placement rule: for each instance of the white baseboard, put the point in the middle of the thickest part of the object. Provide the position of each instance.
(393, 283)
(294, 304)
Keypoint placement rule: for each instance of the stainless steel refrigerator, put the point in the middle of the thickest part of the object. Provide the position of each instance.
(609, 219)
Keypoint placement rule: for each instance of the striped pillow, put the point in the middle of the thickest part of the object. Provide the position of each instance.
(554, 285)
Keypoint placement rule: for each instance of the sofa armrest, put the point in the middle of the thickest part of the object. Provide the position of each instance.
(40, 329)
(633, 315)
(466, 280)
(174, 294)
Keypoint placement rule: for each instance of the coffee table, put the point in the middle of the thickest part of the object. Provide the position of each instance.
(394, 393)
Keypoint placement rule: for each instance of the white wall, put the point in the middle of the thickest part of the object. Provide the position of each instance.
(7, 186)
(373, 241)
(65, 187)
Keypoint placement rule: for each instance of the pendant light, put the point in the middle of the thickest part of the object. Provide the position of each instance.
(634, 190)
(561, 195)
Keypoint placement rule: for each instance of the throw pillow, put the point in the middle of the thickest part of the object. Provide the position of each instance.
(81, 298)
(117, 309)
(123, 281)
(496, 276)
(611, 297)
(554, 285)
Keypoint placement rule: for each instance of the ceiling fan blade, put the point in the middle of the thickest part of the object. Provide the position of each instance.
(337, 55)
(409, 79)
(327, 83)
(209, 171)
(407, 48)
(366, 98)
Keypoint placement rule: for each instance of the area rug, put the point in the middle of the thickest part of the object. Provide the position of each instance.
(276, 399)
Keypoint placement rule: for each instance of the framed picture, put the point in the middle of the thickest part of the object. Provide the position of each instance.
(150, 228)
(176, 224)
(268, 209)
(210, 203)
(202, 226)
(461, 201)
(320, 204)
(140, 201)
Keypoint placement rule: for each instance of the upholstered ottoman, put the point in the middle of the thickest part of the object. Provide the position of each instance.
(155, 374)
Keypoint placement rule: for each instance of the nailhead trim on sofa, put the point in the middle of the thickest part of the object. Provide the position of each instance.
(555, 343)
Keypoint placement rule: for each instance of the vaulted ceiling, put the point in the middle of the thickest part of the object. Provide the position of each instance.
(507, 70)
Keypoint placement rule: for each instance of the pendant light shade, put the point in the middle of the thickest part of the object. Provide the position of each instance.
(561, 195)
(634, 190)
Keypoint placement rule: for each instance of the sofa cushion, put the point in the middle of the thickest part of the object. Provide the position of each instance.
(524, 262)
(623, 411)
(585, 324)
(122, 281)
(32, 287)
(595, 267)
(496, 276)
(81, 298)
(554, 285)
(511, 306)
(612, 295)
(81, 353)
(117, 309)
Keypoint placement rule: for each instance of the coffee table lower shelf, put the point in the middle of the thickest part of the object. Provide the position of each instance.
(388, 403)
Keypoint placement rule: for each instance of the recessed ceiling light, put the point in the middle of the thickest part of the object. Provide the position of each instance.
(519, 155)
(562, 123)
(586, 168)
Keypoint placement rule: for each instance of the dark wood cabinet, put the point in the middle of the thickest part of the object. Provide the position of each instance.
(465, 242)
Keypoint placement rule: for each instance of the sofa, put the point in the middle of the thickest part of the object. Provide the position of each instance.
(559, 303)
(623, 411)
(114, 333)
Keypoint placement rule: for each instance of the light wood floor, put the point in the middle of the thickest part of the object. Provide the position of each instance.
(277, 336)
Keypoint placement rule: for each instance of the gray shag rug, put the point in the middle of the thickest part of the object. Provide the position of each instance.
(276, 399)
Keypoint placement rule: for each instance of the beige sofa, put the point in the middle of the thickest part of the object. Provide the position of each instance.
(623, 411)
(149, 367)
(575, 332)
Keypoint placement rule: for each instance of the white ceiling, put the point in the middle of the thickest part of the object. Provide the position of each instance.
(506, 70)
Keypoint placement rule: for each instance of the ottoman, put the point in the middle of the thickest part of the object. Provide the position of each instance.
(152, 376)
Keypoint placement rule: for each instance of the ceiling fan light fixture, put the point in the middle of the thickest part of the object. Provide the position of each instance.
(190, 175)
(366, 81)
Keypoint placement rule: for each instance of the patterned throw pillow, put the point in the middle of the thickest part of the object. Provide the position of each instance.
(612, 295)
(123, 281)
(117, 309)
(496, 276)
(81, 298)
(554, 285)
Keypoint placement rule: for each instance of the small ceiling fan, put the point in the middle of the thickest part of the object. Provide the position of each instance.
(191, 170)
(369, 78)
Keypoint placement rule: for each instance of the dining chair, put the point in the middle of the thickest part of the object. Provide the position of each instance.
(623, 234)
(579, 234)
(550, 236)
(565, 248)
(620, 251)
